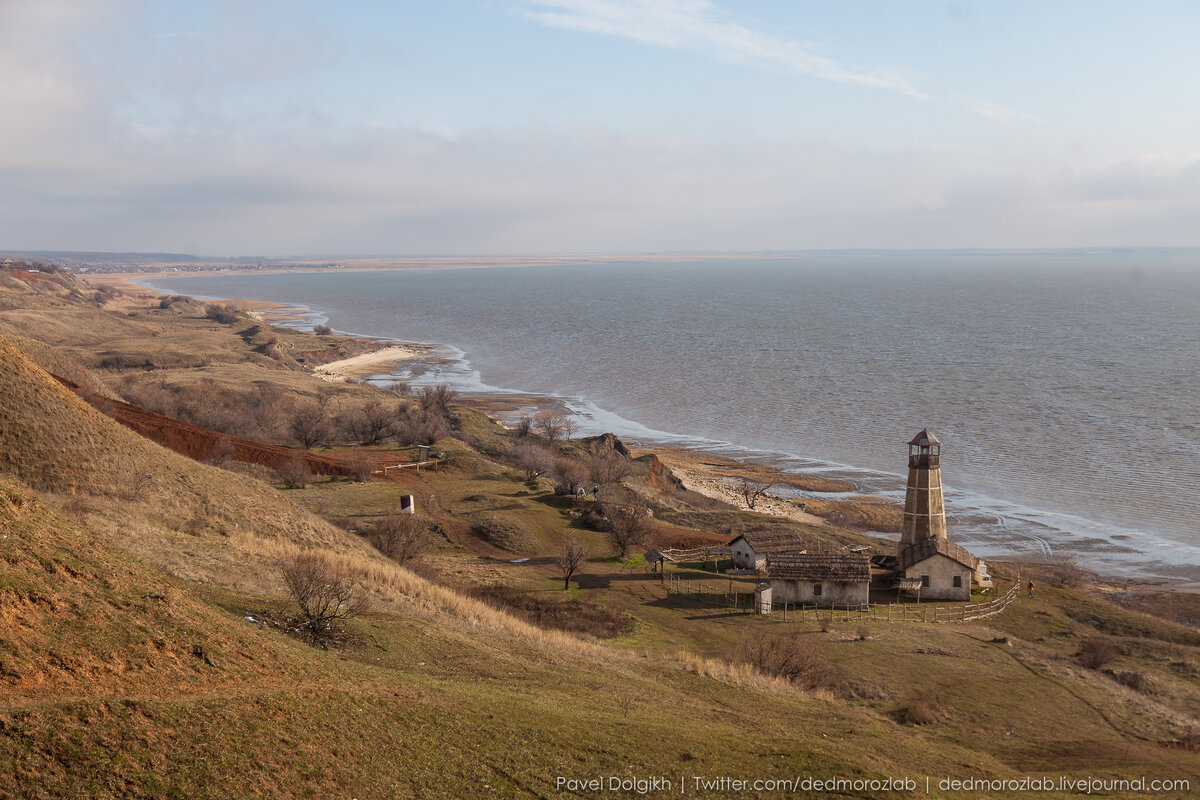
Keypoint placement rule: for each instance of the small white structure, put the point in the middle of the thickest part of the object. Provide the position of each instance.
(762, 598)
(408, 504)
(822, 579)
(750, 550)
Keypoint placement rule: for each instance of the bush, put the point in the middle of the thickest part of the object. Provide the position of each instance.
(295, 474)
(864, 633)
(630, 526)
(322, 330)
(793, 659)
(1064, 570)
(323, 592)
(923, 710)
(1096, 652)
(532, 459)
(224, 313)
(399, 536)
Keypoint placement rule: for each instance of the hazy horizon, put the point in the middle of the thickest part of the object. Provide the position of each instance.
(595, 126)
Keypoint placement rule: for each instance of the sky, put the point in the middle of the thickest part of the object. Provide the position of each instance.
(317, 127)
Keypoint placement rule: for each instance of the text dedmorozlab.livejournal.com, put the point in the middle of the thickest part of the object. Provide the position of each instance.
(693, 785)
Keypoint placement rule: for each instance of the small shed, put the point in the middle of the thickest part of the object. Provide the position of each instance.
(750, 550)
(823, 579)
(944, 568)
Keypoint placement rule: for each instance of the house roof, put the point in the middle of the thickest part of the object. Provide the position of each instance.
(934, 546)
(924, 439)
(763, 542)
(832, 567)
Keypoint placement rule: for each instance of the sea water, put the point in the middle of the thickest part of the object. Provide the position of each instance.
(1062, 385)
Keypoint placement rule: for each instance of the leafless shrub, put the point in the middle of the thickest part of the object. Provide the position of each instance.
(360, 467)
(170, 300)
(437, 398)
(570, 557)
(295, 474)
(793, 659)
(224, 313)
(369, 423)
(532, 459)
(1064, 570)
(221, 453)
(311, 426)
(1096, 652)
(630, 526)
(825, 623)
(864, 633)
(399, 536)
(1138, 681)
(607, 469)
(401, 388)
(136, 486)
(923, 710)
(415, 424)
(322, 330)
(554, 425)
(524, 426)
(194, 526)
(324, 593)
(752, 491)
(570, 474)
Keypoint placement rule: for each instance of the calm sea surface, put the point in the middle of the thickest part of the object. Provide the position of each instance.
(1063, 387)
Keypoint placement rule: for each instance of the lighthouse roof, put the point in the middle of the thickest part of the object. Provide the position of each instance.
(924, 439)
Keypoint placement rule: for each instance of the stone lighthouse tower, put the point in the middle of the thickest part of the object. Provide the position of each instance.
(924, 509)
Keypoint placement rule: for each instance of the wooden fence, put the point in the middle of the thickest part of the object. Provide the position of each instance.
(728, 597)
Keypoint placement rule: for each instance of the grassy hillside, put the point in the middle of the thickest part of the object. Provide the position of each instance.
(139, 655)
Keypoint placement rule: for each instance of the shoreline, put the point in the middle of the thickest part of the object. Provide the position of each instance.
(703, 468)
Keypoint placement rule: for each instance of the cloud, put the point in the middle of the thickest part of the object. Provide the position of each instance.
(986, 108)
(699, 25)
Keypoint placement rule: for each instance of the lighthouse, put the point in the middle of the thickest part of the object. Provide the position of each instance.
(924, 508)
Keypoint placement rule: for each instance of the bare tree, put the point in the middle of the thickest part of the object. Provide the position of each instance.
(370, 422)
(532, 459)
(524, 426)
(1064, 570)
(570, 557)
(570, 474)
(399, 536)
(324, 593)
(752, 491)
(311, 426)
(295, 473)
(630, 526)
(437, 398)
(554, 425)
(322, 330)
(607, 469)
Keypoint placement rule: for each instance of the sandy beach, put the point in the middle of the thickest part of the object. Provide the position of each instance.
(369, 364)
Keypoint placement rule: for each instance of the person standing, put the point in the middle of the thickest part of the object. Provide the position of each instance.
(1031, 588)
